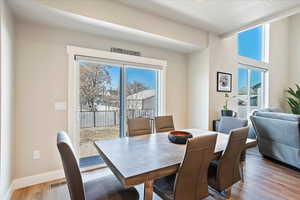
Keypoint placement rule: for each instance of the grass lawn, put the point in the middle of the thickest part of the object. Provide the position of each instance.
(89, 135)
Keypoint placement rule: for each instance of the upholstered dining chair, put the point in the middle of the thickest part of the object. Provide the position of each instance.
(223, 173)
(164, 123)
(104, 188)
(190, 182)
(226, 125)
(138, 126)
(229, 123)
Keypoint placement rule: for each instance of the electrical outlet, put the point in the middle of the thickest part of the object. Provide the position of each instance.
(36, 155)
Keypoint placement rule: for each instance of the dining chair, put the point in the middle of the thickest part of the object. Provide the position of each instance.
(226, 125)
(229, 123)
(104, 188)
(164, 124)
(224, 173)
(190, 182)
(138, 126)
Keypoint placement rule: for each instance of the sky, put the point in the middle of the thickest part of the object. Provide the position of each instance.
(250, 45)
(148, 77)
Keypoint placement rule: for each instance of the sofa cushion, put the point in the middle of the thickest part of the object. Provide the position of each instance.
(280, 116)
(271, 109)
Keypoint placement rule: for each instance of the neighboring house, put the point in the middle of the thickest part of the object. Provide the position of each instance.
(142, 100)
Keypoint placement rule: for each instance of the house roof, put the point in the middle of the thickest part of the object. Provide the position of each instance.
(145, 94)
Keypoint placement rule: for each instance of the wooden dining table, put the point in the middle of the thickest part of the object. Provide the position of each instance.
(142, 159)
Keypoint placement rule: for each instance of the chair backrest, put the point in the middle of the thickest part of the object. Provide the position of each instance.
(229, 123)
(138, 126)
(164, 124)
(71, 168)
(228, 168)
(191, 180)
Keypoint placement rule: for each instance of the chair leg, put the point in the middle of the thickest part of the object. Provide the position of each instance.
(241, 166)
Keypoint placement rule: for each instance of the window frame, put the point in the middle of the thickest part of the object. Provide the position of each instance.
(263, 66)
(74, 53)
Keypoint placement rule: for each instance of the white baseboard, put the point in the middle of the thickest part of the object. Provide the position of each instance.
(40, 178)
(37, 179)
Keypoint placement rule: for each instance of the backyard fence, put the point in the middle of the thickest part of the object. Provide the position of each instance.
(91, 119)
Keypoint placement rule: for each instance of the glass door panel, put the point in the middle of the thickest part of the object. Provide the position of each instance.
(242, 98)
(256, 84)
(250, 91)
(141, 92)
(99, 108)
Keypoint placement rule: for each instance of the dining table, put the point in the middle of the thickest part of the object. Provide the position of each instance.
(142, 159)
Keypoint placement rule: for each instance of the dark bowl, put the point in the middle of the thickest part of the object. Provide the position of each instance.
(179, 137)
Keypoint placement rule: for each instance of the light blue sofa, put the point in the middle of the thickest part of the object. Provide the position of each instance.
(278, 135)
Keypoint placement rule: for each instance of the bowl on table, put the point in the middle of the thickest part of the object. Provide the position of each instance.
(179, 137)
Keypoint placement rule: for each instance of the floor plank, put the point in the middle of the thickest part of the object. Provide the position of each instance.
(264, 180)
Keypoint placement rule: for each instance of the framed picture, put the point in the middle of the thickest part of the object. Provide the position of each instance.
(224, 82)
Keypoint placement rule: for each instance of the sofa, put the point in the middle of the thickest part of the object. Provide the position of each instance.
(278, 135)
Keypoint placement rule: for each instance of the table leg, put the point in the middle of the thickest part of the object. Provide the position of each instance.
(148, 190)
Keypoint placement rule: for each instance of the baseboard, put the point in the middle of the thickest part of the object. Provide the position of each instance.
(37, 179)
(41, 178)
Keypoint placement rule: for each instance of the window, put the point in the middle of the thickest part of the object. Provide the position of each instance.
(251, 87)
(250, 43)
(253, 58)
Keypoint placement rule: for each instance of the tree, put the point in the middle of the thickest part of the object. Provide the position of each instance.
(135, 87)
(94, 81)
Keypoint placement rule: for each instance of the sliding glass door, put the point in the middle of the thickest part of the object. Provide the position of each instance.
(141, 92)
(99, 107)
(109, 94)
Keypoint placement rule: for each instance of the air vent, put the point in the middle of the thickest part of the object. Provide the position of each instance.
(125, 51)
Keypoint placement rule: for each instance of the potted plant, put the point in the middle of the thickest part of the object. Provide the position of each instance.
(225, 111)
(294, 99)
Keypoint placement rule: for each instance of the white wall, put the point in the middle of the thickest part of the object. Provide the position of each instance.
(7, 99)
(223, 59)
(294, 50)
(41, 80)
(279, 63)
(198, 89)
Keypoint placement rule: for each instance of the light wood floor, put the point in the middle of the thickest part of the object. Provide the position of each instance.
(264, 180)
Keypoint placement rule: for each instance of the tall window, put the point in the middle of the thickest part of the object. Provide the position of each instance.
(253, 63)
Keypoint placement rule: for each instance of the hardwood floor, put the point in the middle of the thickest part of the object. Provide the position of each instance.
(264, 180)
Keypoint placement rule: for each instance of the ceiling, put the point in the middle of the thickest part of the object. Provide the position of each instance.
(217, 16)
(36, 12)
(222, 17)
